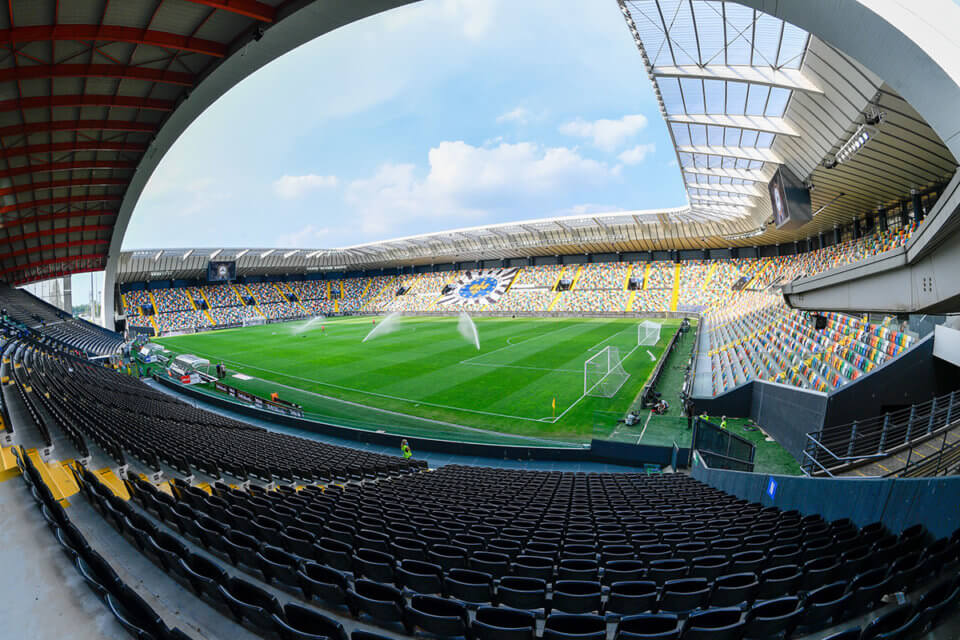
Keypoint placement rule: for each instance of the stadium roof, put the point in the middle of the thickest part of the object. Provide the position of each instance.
(85, 87)
(93, 93)
(743, 92)
(621, 231)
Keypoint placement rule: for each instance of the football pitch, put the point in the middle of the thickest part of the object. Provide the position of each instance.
(526, 381)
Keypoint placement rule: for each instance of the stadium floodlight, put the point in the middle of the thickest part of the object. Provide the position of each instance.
(290, 253)
(857, 141)
(266, 253)
(648, 333)
(603, 374)
(157, 256)
(187, 254)
(241, 254)
(215, 253)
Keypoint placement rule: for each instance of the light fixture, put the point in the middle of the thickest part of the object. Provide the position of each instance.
(852, 146)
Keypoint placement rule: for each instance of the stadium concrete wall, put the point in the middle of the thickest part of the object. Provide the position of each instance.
(897, 502)
(786, 413)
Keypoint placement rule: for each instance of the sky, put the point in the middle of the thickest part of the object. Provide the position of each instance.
(433, 116)
(443, 114)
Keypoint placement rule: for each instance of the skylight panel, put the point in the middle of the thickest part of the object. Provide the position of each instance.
(714, 162)
(728, 162)
(686, 159)
(714, 96)
(736, 97)
(764, 140)
(682, 31)
(698, 133)
(670, 90)
(742, 163)
(681, 134)
(757, 100)
(739, 23)
(749, 138)
(646, 17)
(756, 165)
(707, 16)
(792, 48)
(693, 95)
(766, 40)
(714, 136)
(777, 103)
(731, 136)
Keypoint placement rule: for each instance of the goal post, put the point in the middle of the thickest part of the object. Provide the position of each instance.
(250, 321)
(603, 374)
(648, 333)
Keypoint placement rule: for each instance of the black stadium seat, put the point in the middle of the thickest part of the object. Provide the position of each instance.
(301, 623)
(653, 626)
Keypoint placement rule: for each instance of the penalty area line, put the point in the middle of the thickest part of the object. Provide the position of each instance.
(369, 393)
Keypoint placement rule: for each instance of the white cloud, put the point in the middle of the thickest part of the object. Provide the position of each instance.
(291, 187)
(637, 154)
(467, 182)
(308, 236)
(520, 115)
(606, 134)
(474, 18)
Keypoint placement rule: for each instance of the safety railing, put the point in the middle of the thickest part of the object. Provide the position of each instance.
(880, 436)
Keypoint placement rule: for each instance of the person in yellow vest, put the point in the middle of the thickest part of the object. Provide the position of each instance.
(723, 422)
(405, 449)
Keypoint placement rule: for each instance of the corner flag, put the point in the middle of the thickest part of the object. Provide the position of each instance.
(554, 406)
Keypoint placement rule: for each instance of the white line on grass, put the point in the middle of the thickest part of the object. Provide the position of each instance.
(644, 430)
(518, 366)
(369, 393)
(610, 337)
(584, 395)
(516, 344)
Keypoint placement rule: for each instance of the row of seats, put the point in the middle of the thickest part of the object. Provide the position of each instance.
(130, 610)
(307, 542)
(155, 427)
(597, 288)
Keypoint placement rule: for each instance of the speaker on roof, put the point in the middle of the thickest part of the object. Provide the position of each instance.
(820, 322)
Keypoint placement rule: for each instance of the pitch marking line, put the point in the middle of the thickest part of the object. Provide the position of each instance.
(584, 395)
(370, 393)
(516, 344)
(644, 430)
(518, 366)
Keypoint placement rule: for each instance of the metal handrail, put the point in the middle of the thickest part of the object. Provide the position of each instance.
(885, 433)
(944, 448)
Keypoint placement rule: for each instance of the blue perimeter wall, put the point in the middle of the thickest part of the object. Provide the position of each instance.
(897, 502)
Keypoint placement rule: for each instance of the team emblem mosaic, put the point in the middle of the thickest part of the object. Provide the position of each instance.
(481, 287)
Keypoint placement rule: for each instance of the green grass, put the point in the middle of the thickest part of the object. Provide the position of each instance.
(425, 378)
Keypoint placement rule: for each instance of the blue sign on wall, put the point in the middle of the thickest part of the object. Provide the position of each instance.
(772, 488)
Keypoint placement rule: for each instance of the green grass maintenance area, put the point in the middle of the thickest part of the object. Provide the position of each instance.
(525, 384)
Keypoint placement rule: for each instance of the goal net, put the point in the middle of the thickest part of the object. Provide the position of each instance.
(648, 333)
(249, 322)
(603, 374)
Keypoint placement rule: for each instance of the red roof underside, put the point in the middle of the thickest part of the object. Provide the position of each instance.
(84, 87)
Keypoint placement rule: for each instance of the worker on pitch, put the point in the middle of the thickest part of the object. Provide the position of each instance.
(405, 449)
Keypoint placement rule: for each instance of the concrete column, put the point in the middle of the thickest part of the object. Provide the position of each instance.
(917, 207)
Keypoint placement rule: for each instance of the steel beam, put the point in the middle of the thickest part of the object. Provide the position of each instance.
(249, 8)
(119, 71)
(111, 33)
(764, 75)
(763, 124)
